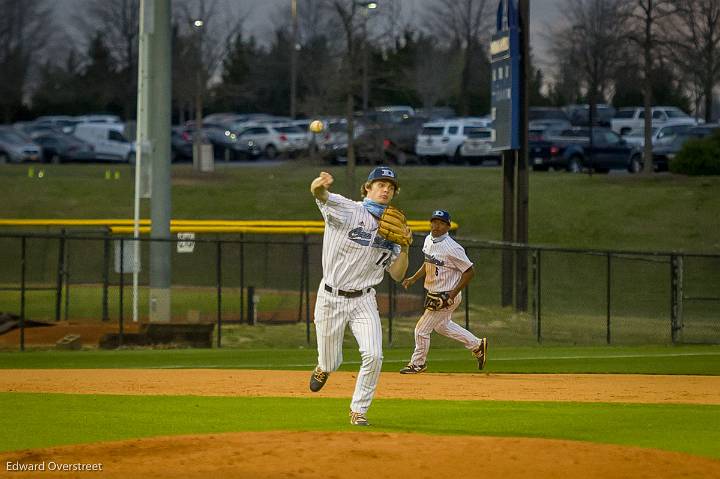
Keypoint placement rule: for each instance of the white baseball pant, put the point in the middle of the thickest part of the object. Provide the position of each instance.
(332, 314)
(440, 321)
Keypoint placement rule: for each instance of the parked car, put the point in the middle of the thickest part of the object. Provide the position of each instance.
(704, 129)
(60, 147)
(304, 125)
(477, 148)
(98, 118)
(275, 139)
(571, 150)
(108, 141)
(383, 142)
(397, 113)
(664, 153)
(633, 118)
(579, 115)
(547, 117)
(659, 134)
(226, 144)
(57, 122)
(181, 144)
(436, 113)
(333, 140)
(442, 140)
(16, 147)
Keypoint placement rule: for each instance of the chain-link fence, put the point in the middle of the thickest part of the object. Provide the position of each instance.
(83, 284)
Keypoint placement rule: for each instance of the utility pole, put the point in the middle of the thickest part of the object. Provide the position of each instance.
(198, 139)
(156, 17)
(294, 61)
(522, 203)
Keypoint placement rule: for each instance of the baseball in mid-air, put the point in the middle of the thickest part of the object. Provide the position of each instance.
(316, 126)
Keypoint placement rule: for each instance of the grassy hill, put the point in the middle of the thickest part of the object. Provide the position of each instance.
(662, 212)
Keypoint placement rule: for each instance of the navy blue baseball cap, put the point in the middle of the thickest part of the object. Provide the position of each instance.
(441, 215)
(384, 173)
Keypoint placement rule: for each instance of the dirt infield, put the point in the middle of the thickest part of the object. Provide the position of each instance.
(364, 453)
(492, 387)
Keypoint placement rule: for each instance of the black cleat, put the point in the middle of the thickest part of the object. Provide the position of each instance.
(413, 369)
(318, 379)
(480, 353)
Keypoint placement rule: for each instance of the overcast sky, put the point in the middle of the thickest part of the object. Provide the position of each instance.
(542, 14)
(260, 23)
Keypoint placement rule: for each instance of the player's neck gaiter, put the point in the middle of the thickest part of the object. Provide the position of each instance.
(375, 209)
(439, 238)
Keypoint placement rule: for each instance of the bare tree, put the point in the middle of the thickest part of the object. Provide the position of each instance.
(349, 19)
(317, 55)
(592, 37)
(695, 45)
(431, 72)
(25, 27)
(464, 25)
(206, 30)
(644, 33)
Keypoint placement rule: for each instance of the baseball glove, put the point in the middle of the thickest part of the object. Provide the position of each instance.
(393, 227)
(437, 301)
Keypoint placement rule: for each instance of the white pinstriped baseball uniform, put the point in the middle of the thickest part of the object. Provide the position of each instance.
(445, 262)
(354, 258)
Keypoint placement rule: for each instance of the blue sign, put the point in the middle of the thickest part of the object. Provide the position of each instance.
(505, 56)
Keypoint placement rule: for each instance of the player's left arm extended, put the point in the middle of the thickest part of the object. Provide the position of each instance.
(464, 280)
(399, 267)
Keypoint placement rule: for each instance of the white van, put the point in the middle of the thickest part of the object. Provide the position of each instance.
(108, 140)
(443, 140)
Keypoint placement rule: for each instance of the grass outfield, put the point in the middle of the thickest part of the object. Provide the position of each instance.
(701, 360)
(57, 419)
(662, 212)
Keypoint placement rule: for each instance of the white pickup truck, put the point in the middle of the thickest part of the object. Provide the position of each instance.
(633, 118)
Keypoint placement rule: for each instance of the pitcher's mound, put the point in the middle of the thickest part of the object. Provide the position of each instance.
(361, 454)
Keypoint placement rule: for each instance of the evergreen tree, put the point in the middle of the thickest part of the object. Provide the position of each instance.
(100, 78)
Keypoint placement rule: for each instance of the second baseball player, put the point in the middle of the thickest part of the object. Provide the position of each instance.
(447, 270)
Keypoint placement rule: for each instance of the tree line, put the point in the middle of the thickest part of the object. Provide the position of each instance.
(624, 52)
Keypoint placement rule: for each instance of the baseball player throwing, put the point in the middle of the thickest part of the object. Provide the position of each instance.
(361, 241)
(447, 271)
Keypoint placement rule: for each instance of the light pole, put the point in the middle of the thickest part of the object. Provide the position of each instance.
(367, 6)
(294, 61)
(198, 25)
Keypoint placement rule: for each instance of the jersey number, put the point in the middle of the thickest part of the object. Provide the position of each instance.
(384, 259)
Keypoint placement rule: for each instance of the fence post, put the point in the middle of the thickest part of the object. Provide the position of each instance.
(608, 297)
(23, 257)
(242, 276)
(251, 305)
(60, 268)
(676, 297)
(122, 292)
(302, 278)
(391, 287)
(307, 292)
(537, 292)
(219, 293)
(106, 277)
(66, 272)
